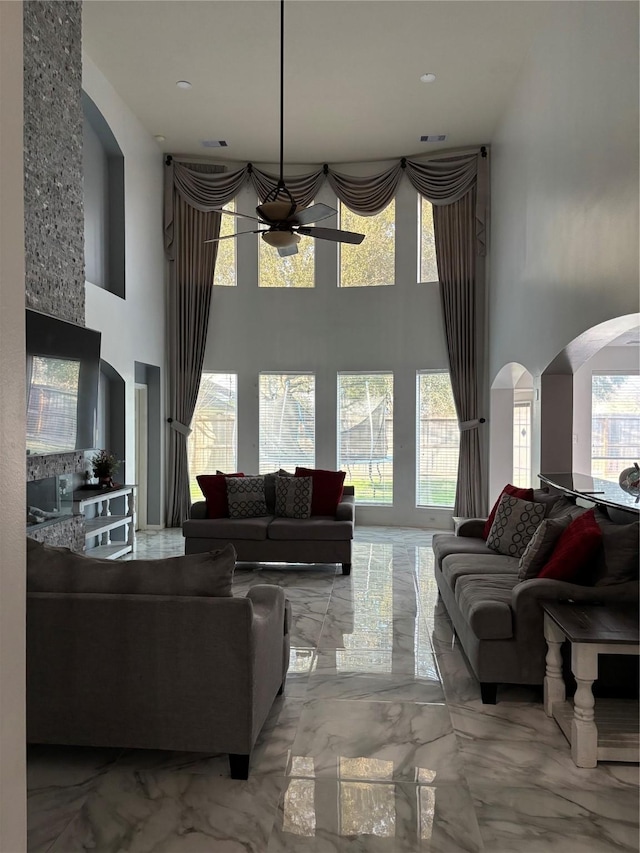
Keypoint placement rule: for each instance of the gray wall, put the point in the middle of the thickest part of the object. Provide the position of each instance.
(54, 220)
(565, 187)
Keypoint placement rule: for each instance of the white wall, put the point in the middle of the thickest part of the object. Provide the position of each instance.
(613, 358)
(12, 432)
(133, 329)
(327, 329)
(565, 187)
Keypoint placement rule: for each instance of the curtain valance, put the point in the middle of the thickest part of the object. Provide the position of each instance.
(442, 179)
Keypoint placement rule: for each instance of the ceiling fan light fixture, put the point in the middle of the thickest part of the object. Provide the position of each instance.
(281, 239)
(277, 211)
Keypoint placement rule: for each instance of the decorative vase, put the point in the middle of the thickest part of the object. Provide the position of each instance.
(630, 479)
(105, 482)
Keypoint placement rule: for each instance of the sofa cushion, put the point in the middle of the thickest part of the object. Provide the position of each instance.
(314, 528)
(576, 548)
(448, 543)
(51, 569)
(485, 604)
(456, 566)
(293, 497)
(214, 489)
(541, 546)
(514, 491)
(618, 560)
(514, 524)
(246, 497)
(228, 529)
(327, 489)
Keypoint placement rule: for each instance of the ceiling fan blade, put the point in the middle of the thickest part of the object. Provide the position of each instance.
(288, 250)
(314, 214)
(332, 234)
(234, 213)
(238, 234)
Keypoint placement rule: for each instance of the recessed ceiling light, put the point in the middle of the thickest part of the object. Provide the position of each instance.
(183, 84)
(159, 137)
(428, 78)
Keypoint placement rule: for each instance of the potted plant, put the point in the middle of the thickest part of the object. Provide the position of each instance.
(104, 466)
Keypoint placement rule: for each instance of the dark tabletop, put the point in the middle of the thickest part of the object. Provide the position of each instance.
(595, 623)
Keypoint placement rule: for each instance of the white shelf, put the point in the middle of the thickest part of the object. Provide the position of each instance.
(110, 552)
(101, 525)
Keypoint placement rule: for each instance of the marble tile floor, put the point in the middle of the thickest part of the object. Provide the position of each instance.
(380, 743)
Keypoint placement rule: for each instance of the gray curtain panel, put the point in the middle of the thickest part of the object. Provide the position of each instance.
(191, 269)
(454, 231)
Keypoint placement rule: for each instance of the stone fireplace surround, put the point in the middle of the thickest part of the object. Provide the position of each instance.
(53, 199)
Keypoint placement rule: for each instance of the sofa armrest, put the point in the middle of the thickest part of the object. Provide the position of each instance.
(346, 509)
(472, 527)
(541, 589)
(527, 599)
(198, 510)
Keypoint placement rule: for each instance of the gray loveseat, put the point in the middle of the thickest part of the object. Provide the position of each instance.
(319, 539)
(498, 618)
(152, 654)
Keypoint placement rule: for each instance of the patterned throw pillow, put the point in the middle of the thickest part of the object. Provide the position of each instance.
(514, 525)
(514, 491)
(541, 546)
(293, 497)
(246, 497)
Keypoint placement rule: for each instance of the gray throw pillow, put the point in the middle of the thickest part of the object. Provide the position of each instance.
(565, 508)
(619, 557)
(52, 569)
(540, 546)
(270, 489)
(246, 497)
(514, 524)
(293, 497)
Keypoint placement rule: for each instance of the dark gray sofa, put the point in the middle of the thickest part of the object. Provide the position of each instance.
(196, 670)
(497, 618)
(319, 539)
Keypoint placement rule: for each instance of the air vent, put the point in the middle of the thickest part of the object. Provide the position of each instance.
(213, 143)
(434, 138)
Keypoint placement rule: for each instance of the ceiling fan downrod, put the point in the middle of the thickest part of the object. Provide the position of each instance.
(280, 189)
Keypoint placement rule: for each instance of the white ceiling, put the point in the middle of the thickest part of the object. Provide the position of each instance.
(352, 68)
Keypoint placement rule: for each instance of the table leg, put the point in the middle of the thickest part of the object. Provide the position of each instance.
(584, 732)
(554, 689)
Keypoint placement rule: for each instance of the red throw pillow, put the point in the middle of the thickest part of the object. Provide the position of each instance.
(326, 489)
(515, 492)
(214, 489)
(574, 549)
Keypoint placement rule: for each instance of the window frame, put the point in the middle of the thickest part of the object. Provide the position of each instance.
(342, 205)
(418, 441)
(285, 373)
(344, 466)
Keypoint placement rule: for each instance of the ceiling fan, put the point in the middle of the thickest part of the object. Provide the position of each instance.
(279, 212)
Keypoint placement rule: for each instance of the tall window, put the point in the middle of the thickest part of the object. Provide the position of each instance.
(365, 434)
(438, 438)
(287, 431)
(428, 268)
(373, 261)
(615, 423)
(291, 271)
(522, 444)
(225, 271)
(213, 442)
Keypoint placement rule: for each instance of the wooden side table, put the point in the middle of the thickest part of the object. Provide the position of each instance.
(608, 731)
